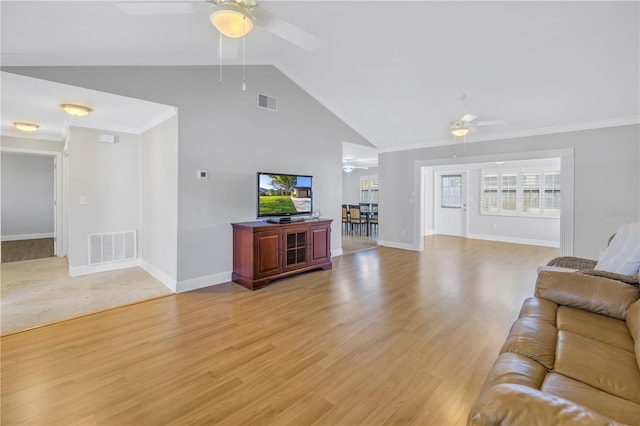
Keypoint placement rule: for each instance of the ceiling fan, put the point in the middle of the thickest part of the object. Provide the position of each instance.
(233, 18)
(467, 122)
(348, 166)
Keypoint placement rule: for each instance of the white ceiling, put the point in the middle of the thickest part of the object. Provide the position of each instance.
(38, 101)
(392, 70)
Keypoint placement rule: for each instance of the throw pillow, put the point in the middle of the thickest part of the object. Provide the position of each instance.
(623, 254)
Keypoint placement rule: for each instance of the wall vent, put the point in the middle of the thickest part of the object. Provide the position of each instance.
(112, 247)
(107, 138)
(267, 102)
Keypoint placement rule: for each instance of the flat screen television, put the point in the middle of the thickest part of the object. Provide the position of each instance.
(282, 194)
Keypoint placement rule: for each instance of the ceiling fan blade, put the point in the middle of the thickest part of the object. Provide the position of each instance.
(489, 123)
(286, 30)
(230, 48)
(138, 8)
(468, 118)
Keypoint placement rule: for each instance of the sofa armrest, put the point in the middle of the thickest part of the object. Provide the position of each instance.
(590, 293)
(511, 404)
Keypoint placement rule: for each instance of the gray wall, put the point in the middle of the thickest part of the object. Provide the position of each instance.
(351, 184)
(27, 196)
(159, 201)
(606, 188)
(109, 176)
(221, 130)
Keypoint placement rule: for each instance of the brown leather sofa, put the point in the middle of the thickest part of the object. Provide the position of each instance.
(572, 357)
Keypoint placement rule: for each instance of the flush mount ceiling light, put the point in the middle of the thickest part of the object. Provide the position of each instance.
(231, 20)
(76, 110)
(26, 127)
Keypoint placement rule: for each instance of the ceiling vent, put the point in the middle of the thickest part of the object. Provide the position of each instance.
(267, 102)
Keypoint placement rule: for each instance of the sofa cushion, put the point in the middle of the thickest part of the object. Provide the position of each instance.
(633, 324)
(542, 309)
(594, 294)
(600, 365)
(609, 405)
(594, 326)
(511, 404)
(518, 369)
(532, 338)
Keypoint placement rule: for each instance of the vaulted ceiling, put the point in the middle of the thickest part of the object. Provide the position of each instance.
(392, 70)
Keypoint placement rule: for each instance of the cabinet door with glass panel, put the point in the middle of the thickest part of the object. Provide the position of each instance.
(296, 248)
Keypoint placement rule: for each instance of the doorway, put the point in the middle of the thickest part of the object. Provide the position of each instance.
(450, 202)
(360, 221)
(507, 199)
(31, 213)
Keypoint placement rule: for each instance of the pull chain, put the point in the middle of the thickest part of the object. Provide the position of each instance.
(244, 82)
(220, 59)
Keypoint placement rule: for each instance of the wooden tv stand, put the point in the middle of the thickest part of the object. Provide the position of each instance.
(263, 252)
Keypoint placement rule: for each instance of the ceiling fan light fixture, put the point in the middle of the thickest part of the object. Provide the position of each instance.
(348, 169)
(26, 127)
(232, 21)
(460, 132)
(76, 110)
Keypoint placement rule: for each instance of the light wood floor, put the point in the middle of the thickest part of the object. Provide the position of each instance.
(354, 242)
(386, 337)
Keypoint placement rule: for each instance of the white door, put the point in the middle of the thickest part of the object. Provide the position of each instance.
(450, 203)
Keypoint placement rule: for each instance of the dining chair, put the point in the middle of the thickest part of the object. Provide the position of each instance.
(357, 218)
(345, 219)
(373, 218)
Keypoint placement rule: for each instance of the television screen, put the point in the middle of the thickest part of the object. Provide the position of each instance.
(282, 194)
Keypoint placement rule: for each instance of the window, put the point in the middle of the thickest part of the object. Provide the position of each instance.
(489, 195)
(527, 192)
(508, 192)
(369, 189)
(551, 200)
(451, 191)
(531, 192)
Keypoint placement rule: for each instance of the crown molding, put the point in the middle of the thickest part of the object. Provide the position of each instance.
(167, 114)
(41, 136)
(563, 128)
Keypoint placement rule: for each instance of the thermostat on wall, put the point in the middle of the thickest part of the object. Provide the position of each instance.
(202, 174)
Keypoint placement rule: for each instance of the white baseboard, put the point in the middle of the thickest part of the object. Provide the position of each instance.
(427, 233)
(19, 237)
(201, 282)
(337, 252)
(77, 271)
(515, 240)
(393, 244)
(159, 275)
